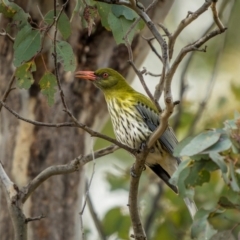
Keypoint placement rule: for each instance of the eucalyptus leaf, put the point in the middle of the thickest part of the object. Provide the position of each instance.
(26, 45)
(200, 142)
(66, 56)
(226, 203)
(201, 228)
(120, 10)
(24, 75)
(63, 24)
(219, 160)
(47, 84)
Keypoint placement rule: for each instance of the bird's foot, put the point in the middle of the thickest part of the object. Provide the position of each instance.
(142, 146)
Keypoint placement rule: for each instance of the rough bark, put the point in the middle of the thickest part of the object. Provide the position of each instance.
(25, 149)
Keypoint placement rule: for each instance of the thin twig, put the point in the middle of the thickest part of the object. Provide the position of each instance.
(136, 22)
(140, 76)
(39, 11)
(215, 15)
(191, 47)
(149, 41)
(150, 217)
(191, 16)
(96, 220)
(209, 87)
(4, 33)
(8, 90)
(146, 72)
(36, 123)
(100, 135)
(88, 185)
(34, 218)
(70, 167)
(182, 90)
(56, 18)
(183, 85)
(168, 34)
(163, 46)
(71, 124)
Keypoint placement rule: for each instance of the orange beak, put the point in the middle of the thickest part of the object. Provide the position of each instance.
(86, 75)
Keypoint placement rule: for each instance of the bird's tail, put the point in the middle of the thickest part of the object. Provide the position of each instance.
(192, 208)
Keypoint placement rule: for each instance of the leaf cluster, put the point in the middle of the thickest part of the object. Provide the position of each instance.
(29, 42)
(209, 151)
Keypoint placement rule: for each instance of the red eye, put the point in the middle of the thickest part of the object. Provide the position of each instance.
(105, 75)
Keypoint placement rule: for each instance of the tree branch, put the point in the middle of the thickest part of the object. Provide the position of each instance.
(209, 88)
(4, 33)
(191, 47)
(215, 16)
(56, 18)
(14, 206)
(191, 16)
(139, 233)
(8, 90)
(70, 124)
(73, 166)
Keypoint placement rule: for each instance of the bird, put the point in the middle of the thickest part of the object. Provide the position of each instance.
(134, 118)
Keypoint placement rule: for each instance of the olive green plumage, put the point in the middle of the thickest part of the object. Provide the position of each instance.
(134, 118)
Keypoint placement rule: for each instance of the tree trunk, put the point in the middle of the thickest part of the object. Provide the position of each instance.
(25, 149)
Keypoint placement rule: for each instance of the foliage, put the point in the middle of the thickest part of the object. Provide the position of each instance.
(119, 19)
(29, 39)
(29, 42)
(215, 149)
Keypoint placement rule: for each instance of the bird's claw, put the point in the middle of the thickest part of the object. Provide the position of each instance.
(142, 147)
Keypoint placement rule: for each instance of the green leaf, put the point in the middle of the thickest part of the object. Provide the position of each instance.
(63, 24)
(118, 19)
(219, 160)
(181, 145)
(183, 190)
(226, 203)
(201, 229)
(8, 9)
(224, 235)
(221, 145)
(233, 179)
(119, 27)
(197, 175)
(65, 56)
(183, 165)
(126, 12)
(232, 128)
(200, 142)
(48, 83)
(26, 45)
(115, 221)
(104, 9)
(24, 75)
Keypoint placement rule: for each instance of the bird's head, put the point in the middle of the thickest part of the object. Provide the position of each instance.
(107, 79)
